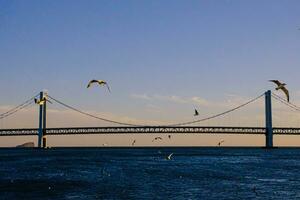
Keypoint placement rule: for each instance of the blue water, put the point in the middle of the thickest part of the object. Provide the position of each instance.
(145, 173)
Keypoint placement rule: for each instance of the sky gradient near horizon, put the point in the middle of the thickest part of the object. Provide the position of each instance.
(161, 58)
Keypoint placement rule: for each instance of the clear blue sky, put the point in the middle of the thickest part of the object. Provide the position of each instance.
(185, 48)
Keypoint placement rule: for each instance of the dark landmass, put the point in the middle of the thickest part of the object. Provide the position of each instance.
(26, 145)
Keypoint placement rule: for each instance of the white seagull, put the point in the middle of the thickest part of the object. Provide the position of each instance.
(169, 156)
(100, 82)
(157, 138)
(133, 142)
(281, 86)
(219, 144)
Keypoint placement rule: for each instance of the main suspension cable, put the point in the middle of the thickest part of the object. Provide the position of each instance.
(177, 124)
(18, 108)
(283, 101)
(218, 115)
(90, 115)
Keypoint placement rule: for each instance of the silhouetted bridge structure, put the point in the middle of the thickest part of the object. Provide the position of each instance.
(127, 128)
(150, 130)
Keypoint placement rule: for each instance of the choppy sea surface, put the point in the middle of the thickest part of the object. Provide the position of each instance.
(145, 173)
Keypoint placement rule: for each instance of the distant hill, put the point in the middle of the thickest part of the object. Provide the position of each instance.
(26, 145)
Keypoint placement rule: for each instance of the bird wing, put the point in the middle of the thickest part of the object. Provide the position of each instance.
(107, 87)
(286, 93)
(278, 83)
(91, 82)
(169, 156)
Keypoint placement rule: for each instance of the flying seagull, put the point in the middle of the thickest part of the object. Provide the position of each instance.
(157, 138)
(196, 112)
(169, 157)
(219, 144)
(133, 142)
(100, 82)
(281, 86)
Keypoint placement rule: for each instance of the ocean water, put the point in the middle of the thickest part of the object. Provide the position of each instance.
(145, 173)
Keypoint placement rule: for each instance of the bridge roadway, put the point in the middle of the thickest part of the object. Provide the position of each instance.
(150, 130)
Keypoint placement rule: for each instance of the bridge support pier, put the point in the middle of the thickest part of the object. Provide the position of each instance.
(44, 142)
(42, 121)
(268, 113)
(40, 135)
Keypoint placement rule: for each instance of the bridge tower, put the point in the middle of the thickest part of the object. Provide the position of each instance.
(42, 121)
(268, 113)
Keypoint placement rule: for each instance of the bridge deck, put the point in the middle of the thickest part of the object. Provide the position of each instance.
(149, 130)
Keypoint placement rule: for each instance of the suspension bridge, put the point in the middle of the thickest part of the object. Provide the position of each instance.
(128, 128)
